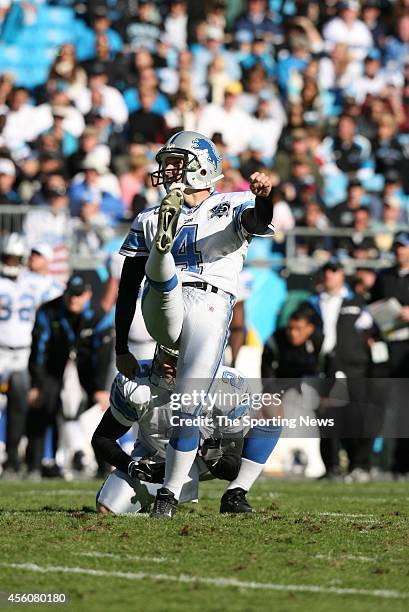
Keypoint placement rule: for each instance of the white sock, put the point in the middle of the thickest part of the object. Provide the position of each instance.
(247, 476)
(178, 465)
(160, 267)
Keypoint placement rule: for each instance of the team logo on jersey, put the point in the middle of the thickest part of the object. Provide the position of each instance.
(204, 145)
(220, 210)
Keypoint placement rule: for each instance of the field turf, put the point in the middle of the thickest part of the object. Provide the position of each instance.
(311, 546)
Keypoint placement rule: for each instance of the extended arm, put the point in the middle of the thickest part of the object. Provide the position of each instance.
(133, 272)
(104, 442)
(257, 219)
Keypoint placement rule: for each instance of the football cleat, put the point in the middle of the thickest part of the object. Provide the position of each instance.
(169, 212)
(234, 501)
(165, 504)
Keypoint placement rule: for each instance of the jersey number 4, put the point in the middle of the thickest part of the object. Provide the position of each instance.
(184, 249)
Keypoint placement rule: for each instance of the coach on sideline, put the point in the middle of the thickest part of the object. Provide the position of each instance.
(68, 331)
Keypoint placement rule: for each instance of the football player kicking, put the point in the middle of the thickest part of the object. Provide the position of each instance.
(133, 485)
(191, 249)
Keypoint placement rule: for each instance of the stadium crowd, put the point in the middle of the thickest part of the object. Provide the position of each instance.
(314, 93)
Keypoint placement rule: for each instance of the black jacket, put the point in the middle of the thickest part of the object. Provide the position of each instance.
(282, 360)
(58, 333)
(351, 350)
(390, 284)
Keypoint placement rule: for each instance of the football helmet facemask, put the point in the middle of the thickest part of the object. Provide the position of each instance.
(164, 364)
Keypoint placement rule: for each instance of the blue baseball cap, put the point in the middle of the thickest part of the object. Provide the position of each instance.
(401, 238)
(76, 286)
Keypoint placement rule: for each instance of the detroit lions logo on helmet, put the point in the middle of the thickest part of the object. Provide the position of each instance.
(205, 145)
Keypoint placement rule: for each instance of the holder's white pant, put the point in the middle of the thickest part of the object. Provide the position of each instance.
(123, 495)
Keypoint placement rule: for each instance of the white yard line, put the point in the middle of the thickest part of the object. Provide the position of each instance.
(101, 555)
(53, 492)
(217, 582)
(347, 515)
(342, 557)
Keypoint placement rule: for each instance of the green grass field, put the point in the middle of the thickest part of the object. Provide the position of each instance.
(312, 545)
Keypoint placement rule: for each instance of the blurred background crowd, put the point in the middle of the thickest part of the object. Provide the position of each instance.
(314, 93)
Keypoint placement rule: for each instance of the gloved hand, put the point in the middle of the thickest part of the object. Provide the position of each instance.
(147, 471)
(127, 365)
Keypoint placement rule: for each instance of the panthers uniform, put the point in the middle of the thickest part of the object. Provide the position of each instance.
(140, 401)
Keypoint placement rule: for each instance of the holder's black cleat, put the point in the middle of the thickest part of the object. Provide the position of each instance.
(234, 501)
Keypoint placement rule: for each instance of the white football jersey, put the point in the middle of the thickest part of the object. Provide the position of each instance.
(19, 301)
(210, 242)
(143, 402)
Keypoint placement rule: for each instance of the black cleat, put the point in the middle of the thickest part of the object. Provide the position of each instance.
(234, 501)
(165, 504)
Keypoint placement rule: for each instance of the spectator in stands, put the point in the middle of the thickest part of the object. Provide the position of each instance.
(397, 46)
(256, 20)
(291, 68)
(348, 28)
(51, 226)
(175, 24)
(8, 194)
(145, 30)
(132, 182)
(95, 227)
(267, 127)
(146, 124)
(101, 97)
(86, 47)
(358, 245)
(392, 219)
(314, 219)
(65, 71)
(212, 47)
(111, 206)
(389, 154)
(88, 143)
(371, 16)
(296, 147)
(54, 183)
(21, 124)
(342, 215)
(67, 143)
(225, 120)
(350, 151)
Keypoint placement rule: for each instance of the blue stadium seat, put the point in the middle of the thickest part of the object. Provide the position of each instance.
(48, 16)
